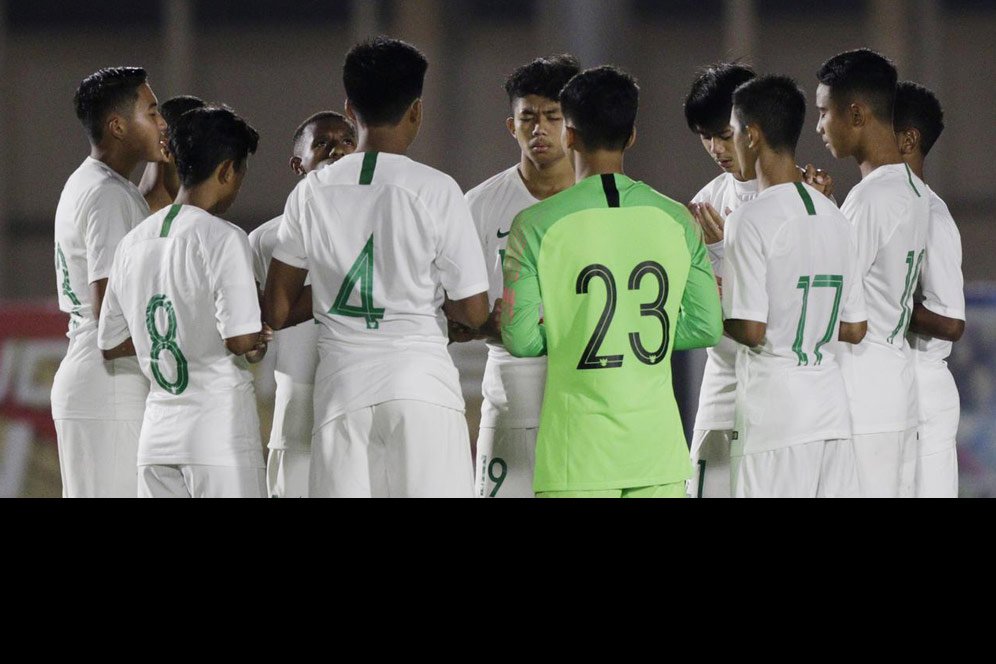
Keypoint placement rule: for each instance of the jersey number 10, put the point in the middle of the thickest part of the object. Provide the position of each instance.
(590, 359)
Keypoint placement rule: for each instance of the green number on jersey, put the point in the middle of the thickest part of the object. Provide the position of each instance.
(363, 272)
(500, 479)
(67, 289)
(590, 359)
(166, 342)
(834, 281)
(912, 276)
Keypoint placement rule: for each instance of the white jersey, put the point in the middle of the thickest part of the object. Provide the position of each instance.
(386, 239)
(889, 211)
(296, 350)
(719, 380)
(790, 265)
(512, 386)
(97, 208)
(942, 286)
(181, 284)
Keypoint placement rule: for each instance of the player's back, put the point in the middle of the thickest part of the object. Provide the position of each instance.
(183, 282)
(889, 211)
(612, 259)
(385, 240)
(790, 266)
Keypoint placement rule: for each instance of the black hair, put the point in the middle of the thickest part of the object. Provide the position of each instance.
(174, 107)
(545, 77)
(322, 116)
(918, 108)
(104, 92)
(708, 104)
(382, 78)
(864, 74)
(204, 137)
(776, 105)
(601, 104)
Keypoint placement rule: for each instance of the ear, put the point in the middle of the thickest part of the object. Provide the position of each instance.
(570, 138)
(225, 172)
(632, 139)
(753, 136)
(857, 114)
(909, 141)
(295, 165)
(510, 125)
(350, 112)
(415, 112)
(116, 126)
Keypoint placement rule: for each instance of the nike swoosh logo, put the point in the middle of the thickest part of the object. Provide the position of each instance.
(501, 235)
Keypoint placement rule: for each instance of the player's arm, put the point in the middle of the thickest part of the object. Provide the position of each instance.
(745, 295)
(747, 332)
(113, 336)
(286, 300)
(460, 259)
(252, 345)
(124, 349)
(470, 312)
(521, 330)
(852, 333)
(108, 221)
(700, 319)
(927, 322)
(854, 315)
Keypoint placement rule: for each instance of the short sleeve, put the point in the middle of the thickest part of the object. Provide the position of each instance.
(854, 309)
(235, 295)
(941, 281)
(289, 248)
(112, 329)
(109, 216)
(459, 256)
(745, 292)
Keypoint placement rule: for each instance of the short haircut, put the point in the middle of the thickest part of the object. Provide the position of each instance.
(918, 108)
(104, 92)
(545, 77)
(322, 116)
(174, 107)
(601, 105)
(708, 104)
(382, 78)
(776, 105)
(205, 137)
(862, 74)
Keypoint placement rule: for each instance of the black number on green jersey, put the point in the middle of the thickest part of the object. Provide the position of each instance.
(590, 359)
(655, 309)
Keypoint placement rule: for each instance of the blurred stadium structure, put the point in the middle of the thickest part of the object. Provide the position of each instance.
(276, 62)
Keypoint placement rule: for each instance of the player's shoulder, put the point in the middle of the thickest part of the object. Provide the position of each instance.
(941, 219)
(490, 188)
(264, 230)
(713, 190)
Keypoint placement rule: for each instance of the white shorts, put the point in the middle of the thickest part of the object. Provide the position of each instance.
(937, 474)
(196, 481)
(710, 464)
(400, 448)
(506, 460)
(287, 473)
(820, 469)
(98, 458)
(886, 464)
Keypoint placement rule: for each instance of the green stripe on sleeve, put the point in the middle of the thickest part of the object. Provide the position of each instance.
(369, 164)
(168, 221)
(810, 208)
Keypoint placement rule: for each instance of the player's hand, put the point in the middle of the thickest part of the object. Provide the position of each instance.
(258, 351)
(460, 333)
(818, 179)
(711, 221)
(492, 328)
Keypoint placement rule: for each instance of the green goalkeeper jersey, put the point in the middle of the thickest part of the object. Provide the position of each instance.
(607, 278)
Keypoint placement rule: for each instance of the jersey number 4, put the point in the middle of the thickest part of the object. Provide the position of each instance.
(362, 272)
(590, 359)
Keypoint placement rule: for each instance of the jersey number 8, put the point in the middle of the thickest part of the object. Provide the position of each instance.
(165, 342)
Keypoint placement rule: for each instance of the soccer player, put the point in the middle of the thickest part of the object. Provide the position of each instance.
(889, 211)
(623, 279)
(97, 405)
(513, 387)
(390, 243)
(160, 182)
(790, 288)
(182, 298)
(939, 303)
(323, 138)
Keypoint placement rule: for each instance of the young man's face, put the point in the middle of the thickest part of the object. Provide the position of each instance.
(833, 128)
(326, 139)
(719, 145)
(746, 157)
(537, 123)
(146, 129)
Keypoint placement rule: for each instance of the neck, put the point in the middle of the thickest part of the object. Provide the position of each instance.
(121, 163)
(153, 187)
(390, 139)
(878, 148)
(200, 196)
(598, 162)
(915, 162)
(547, 180)
(774, 168)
